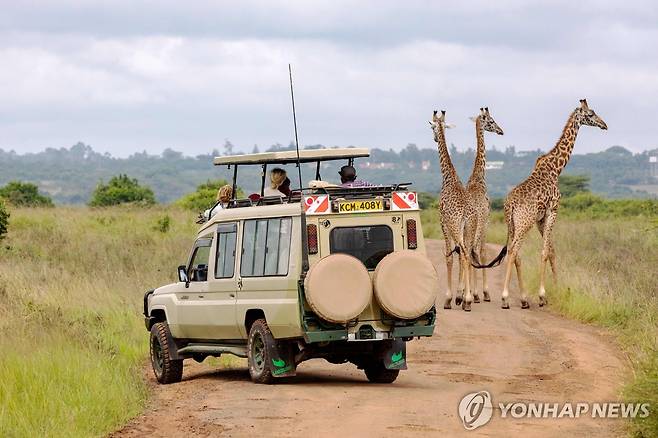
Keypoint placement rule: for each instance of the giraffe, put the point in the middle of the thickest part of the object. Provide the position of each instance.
(454, 210)
(536, 201)
(476, 187)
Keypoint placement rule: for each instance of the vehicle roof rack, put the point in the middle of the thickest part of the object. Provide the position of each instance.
(290, 157)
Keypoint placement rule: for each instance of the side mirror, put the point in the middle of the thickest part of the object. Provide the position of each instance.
(182, 275)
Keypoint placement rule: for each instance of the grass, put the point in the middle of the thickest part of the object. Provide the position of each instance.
(71, 286)
(72, 280)
(606, 276)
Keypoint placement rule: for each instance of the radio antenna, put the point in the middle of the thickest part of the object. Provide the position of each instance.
(294, 120)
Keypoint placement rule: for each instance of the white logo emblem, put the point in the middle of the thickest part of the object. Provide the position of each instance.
(475, 409)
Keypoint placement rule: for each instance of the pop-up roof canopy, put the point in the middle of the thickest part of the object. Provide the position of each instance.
(288, 157)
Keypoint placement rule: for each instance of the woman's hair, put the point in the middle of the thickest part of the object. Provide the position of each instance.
(277, 176)
(225, 193)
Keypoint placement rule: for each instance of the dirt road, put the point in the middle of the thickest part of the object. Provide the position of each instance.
(516, 355)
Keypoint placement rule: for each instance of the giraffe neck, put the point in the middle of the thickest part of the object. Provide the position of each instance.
(477, 175)
(557, 158)
(447, 169)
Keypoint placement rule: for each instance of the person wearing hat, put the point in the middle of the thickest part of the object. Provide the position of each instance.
(348, 178)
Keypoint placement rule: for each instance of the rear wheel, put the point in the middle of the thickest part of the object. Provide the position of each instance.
(377, 373)
(166, 369)
(258, 347)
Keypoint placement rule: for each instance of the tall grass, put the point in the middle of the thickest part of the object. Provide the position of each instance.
(73, 341)
(607, 275)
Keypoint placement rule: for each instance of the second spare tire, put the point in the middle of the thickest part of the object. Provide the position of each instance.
(406, 284)
(338, 288)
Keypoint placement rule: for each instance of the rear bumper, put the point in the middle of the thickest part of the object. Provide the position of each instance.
(343, 335)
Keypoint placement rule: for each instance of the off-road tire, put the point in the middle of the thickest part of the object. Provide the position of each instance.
(377, 373)
(166, 369)
(258, 357)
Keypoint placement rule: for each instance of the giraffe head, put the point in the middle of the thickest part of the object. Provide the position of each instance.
(587, 116)
(488, 123)
(439, 121)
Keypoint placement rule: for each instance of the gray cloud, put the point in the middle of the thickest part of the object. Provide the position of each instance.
(127, 77)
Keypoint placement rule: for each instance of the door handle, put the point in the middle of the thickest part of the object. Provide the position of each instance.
(232, 295)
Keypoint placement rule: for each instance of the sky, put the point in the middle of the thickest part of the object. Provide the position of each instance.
(127, 76)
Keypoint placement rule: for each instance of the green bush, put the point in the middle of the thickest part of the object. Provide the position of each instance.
(428, 200)
(571, 185)
(4, 220)
(121, 190)
(163, 224)
(205, 196)
(22, 194)
(587, 204)
(497, 204)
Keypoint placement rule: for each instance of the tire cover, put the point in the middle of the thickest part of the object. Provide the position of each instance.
(406, 284)
(338, 288)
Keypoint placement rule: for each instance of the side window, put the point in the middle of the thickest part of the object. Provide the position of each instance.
(225, 257)
(266, 247)
(198, 268)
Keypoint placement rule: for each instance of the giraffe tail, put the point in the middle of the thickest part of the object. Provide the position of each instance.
(495, 262)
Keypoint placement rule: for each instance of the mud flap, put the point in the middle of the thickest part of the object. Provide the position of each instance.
(282, 359)
(395, 356)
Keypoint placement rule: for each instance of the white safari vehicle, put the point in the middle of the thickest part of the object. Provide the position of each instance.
(329, 272)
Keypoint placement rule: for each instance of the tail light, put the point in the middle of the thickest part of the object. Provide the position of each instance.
(412, 238)
(312, 238)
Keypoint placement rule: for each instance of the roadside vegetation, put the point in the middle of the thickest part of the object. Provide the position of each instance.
(22, 194)
(204, 196)
(121, 190)
(4, 219)
(607, 257)
(71, 287)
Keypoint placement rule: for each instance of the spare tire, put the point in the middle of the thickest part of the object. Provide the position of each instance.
(338, 288)
(406, 284)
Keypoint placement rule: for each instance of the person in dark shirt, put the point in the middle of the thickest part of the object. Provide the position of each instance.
(348, 178)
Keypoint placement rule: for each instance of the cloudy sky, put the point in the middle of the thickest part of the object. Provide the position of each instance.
(127, 76)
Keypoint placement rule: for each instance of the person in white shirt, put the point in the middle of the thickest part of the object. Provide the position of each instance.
(224, 195)
(277, 177)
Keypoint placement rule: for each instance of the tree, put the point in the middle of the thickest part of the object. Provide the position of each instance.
(205, 196)
(228, 147)
(121, 190)
(22, 194)
(4, 220)
(571, 185)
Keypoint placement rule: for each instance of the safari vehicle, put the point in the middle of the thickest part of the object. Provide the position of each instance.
(329, 272)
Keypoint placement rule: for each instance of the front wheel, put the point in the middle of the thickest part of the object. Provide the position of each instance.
(258, 347)
(377, 373)
(166, 369)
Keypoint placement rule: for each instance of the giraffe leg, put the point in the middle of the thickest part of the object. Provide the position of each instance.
(508, 277)
(547, 252)
(449, 261)
(485, 285)
(460, 289)
(519, 277)
(468, 297)
(473, 283)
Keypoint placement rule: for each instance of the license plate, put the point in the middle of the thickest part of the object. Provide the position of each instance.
(360, 206)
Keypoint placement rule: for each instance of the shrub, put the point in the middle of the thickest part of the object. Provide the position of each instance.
(4, 220)
(205, 196)
(22, 194)
(163, 224)
(497, 204)
(571, 185)
(121, 190)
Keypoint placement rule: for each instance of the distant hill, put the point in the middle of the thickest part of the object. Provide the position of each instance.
(70, 175)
